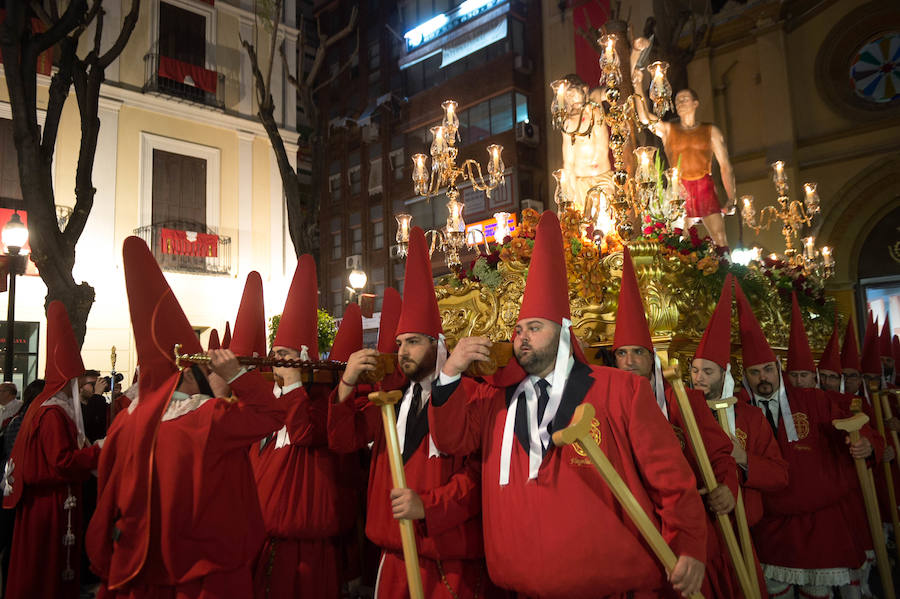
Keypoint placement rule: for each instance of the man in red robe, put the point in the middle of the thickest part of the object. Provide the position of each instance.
(177, 512)
(761, 468)
(634, 352)
(552, 527)
(443, 498)
(49, 462)
(851, 366)
(830, 372)
(804, 537)
(298, 478)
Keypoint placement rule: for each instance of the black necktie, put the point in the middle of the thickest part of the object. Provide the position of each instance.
(769, 416)
(412, 418)
(543, 398)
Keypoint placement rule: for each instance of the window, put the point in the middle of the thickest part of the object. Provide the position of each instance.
(521, 108)
(336, 242)
(479, 122)
(397, 164)
(354, 175)
(376, 217)
(378, 286)
(334, 188)
(399, 274)
(179, 190)
(375, 176)
(336, 291)
(355, 233)
(182, 34)
(10, 189)
(501, 113)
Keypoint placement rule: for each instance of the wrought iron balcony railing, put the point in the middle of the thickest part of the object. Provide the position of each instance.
(183, 81)
(185, 246)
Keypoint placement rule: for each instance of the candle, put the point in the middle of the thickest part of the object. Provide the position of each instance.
(773, 257)
(778, 175)
(454, 216)
(494, 152)
(559, 87)
(809, 244)
(747, 203)
(403, 221)
(756, 252)
(812, 197)
(827, 259)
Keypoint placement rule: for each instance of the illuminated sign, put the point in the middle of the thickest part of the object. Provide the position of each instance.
(487, 227)
(443, 22)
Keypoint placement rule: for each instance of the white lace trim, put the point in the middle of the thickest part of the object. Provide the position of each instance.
(179, 407)
(826, 577)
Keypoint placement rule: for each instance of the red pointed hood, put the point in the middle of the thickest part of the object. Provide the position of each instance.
(754, 347)
(299, 323)
(631, 321)
(884, 340)
(871, 361)
(349, 337)
(547, 288)
(390, 316)
(158, 323)
(831, 356)
(63, 363)
(716, 342)
(214, 340)
(419, 313)
(895, 349)
(850, 349)
(799, 353)
(250, 324)
(226, 336)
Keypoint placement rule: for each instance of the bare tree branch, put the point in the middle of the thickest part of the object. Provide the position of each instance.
(287, 72)
(274, 42)
(127, 28)
(42, 14)
(326, 42)
(343, 68)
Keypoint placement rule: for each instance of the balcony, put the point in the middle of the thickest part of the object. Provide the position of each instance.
(183, 81)
(184, 246)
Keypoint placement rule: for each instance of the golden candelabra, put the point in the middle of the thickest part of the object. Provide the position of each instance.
(794, 216)
(445, 173)
(570, 100)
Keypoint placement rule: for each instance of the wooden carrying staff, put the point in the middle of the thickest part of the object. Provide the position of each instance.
(579, 432)
(387, 399)
(673, 375)
(881, 400)
(851, 426)
(740, 513)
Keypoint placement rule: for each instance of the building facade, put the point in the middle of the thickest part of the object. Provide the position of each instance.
(181, 161)
(484, 54)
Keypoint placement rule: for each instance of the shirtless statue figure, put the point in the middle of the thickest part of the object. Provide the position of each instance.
(586, 158)
(694, 144)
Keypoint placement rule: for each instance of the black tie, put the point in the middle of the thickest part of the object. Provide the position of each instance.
(543, 398)
(769, 416)
(412, 418)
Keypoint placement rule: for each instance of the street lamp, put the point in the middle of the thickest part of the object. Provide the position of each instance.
(14, 237)
(357, 279)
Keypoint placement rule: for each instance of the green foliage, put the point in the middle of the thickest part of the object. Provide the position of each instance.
(488, 275)
(266, 12)
(327, 330)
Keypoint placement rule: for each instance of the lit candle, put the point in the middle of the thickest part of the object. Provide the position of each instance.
(403, 222)
(419, 166)
(494, 152)
(454, 216)
(773, 256)
(747, 203)
(559, 87)
(827, 259)
(812, 197)
(610, 46)
(778, 175)
(644, 156)
(756, 252)
(809, 244)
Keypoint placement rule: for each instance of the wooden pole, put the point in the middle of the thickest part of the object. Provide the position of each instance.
(851, 426)
(882, 400)
(387, 399)
(673, 375)
(740, 513)
(579, 432)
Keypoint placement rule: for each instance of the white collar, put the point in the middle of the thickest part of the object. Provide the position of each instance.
(182, 404)
(405, 406)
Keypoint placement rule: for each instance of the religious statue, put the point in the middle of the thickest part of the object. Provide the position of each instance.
(690, 146)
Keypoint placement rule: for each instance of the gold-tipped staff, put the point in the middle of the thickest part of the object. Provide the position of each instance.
(386, 400)
(882, 407)
(740, 513)
(851, 426)
(579, 432)
(673, 375)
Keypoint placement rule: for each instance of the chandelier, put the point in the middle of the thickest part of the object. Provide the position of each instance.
(794, 216)
(444, 173)
(607, 208)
